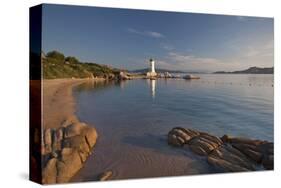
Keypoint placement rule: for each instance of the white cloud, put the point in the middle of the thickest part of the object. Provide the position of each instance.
(242, 56)
(152, 34)
(252, 52)
(249, 18)
(167, 47)
(262, 50)
(131, 30)
(269, 45)
(189, 62)
(190, 58)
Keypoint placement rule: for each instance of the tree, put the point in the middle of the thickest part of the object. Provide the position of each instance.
(72, 59)
(56, 55)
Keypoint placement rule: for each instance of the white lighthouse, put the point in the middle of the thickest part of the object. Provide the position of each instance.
(151, 72)
(152, 65)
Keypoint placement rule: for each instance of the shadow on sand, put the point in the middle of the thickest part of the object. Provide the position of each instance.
(158, 143)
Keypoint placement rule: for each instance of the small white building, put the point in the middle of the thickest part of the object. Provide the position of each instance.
(151, 72)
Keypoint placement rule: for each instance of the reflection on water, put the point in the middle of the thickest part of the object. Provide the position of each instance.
(152, 84)
(94, 85)
(233, 104)
(132, 120)
(106, 84)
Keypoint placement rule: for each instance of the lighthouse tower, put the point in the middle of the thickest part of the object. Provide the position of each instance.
(152, 72)
(152, 65)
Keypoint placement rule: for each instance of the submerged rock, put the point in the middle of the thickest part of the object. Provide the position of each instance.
(230, 159)
(225, 165)
(235, 140)
(200, 143)
(249, 150)
(202, 146)
(175, 140)
(268, 162)
(230, 154)
(179, 136)
(257, 150)
(225, 138)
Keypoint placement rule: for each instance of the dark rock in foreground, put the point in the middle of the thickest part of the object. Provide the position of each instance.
(228, 153)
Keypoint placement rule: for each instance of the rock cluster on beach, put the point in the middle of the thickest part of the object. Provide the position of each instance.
(123, 76)
(65, 149)
(227, 153)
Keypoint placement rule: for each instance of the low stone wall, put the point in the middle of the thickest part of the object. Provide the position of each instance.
(227, 153)
(65, 149)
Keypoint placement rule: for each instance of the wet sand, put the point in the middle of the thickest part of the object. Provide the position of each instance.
(145, 156)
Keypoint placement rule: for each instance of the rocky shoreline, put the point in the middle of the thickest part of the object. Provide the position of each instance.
(66, 142)
(65, 149)
(229, 154)
(166, 75)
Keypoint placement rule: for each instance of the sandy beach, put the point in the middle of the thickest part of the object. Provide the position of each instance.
(59, 109)
(66, 142)
(59, 104)
(67, 162)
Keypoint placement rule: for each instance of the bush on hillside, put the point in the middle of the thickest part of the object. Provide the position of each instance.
(71, 59)
(55, 65)
(55, 55)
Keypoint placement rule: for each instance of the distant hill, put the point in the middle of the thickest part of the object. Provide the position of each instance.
(160, 71)
(251, 70)
(56, 65)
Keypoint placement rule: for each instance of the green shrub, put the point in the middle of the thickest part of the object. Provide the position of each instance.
(71, 59)
(55, 55)
(55, 65)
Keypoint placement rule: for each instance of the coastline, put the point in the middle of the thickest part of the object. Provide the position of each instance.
(60, 109)
(57, 94)
(231, 154)
(66, 142)
(144, 146)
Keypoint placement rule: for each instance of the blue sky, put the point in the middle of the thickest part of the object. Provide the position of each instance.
(127, 38)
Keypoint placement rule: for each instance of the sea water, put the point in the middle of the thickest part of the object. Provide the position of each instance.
(133, 117)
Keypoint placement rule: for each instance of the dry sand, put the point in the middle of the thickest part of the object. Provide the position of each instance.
(63, 132)
(58, 101)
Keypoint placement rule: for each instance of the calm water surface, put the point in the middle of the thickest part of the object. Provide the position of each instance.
(133, 117)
